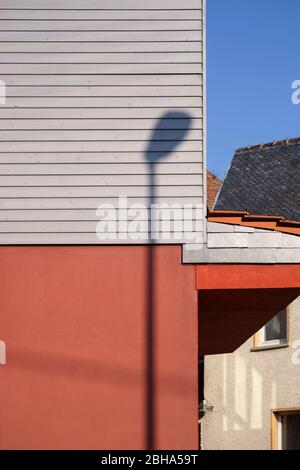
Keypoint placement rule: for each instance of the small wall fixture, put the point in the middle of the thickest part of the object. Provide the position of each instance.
(2, 353)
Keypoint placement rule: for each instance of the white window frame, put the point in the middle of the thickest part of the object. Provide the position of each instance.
(260, 337)
(279, 432)
(274, 342)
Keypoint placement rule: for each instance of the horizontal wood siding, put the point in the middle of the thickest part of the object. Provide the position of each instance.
(87, 83)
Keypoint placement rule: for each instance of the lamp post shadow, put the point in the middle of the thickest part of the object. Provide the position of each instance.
(169, 132)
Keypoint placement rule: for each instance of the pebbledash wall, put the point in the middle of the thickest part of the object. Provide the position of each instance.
(104, 98)
(245, 386)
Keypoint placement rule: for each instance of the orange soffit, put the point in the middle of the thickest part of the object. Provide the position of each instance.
(277, 224)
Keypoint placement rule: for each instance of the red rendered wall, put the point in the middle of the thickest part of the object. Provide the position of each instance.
(74, 323)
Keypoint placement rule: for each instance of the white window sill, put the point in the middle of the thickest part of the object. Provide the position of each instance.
(268, 347)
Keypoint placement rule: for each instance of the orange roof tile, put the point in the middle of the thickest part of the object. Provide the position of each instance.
(245, 219)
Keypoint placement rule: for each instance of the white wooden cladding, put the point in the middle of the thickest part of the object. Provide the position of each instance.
(97, 168)
(101, 5)
(93, 146)
(101, 47)
(118, 81)
(96, 68)
(98, 26)
(87, 82)
(84, 238)
(81, 124)
(118, 158)
(62, 215)
(103, 15)
(58, 204)
(99, 58)
(151, 113)
(101, 36)
(91, 135)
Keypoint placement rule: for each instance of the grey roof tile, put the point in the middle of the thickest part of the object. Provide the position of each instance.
(264, 180)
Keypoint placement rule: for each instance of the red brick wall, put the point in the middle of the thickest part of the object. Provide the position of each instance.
(213, 186)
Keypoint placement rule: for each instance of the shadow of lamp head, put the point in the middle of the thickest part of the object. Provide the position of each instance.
(169, 132)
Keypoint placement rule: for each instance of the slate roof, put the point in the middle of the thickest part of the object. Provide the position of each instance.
(264, 180)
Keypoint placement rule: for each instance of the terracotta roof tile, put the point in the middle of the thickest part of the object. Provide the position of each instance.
(245, 219)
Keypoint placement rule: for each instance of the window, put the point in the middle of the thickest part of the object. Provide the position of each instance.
(285, 431)
(274, 333)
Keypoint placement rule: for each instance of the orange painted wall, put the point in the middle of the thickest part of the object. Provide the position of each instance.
(248, 276)
(74, 322)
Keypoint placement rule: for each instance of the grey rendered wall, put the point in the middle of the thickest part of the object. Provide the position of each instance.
(87, 81)
(244, 386)
(236, 244)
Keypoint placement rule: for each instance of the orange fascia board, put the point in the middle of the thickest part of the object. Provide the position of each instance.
(290, 230)
(247, 276)
(255, 221)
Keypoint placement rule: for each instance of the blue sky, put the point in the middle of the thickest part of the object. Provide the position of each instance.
(253, 56)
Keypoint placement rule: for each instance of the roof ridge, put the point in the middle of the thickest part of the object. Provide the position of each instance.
(268, 145)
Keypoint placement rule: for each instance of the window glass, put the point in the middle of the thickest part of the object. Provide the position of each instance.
(291, 431)
(276, 328)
